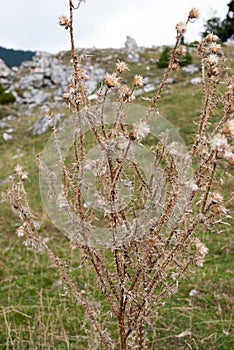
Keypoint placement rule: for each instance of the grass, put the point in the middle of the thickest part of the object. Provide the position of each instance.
(37, 313)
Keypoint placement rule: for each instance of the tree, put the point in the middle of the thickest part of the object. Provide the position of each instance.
(224, 29)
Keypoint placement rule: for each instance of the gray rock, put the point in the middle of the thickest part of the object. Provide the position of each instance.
(133, 57)
(43, 124)
(149, 88)
(4, 125)
(130, 45)
(196, 80)
(190, 69)
(7, 137)
(34, 80)
(3, 182)
(4, 70)
(36, 97)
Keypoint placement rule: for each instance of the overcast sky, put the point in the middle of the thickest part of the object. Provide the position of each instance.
(32, 24)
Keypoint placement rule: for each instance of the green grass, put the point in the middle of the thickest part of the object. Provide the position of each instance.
(35, 311)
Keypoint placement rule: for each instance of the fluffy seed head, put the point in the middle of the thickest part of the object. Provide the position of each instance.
(213, 60)
(141, 130)
(219, 143)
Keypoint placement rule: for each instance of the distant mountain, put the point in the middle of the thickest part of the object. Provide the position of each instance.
(15, 57)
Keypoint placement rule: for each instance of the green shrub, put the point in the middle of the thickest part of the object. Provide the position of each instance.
(6, 97)
(165, 57)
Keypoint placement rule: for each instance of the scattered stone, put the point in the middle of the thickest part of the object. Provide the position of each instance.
(3, 125)
(149, 88)
(7, 137)
(93, 97)
(196, 80)
(190, 69)
(170, 81)
(133, 57)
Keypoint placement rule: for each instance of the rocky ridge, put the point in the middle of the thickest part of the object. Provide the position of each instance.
(39, 84)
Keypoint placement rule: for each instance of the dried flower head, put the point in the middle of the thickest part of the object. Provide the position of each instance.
(181, 28)
(181, 51)
(111, 80)
(175, 66)
(125, 94)
(228, 128)
(231, 160)
(215, 48)
(212, 38)
(121, 66)
(22, 174)
(216, 197)
(64, 22)
(193, 13)
(138, 81)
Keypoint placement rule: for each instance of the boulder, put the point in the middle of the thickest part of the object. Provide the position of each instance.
(43, 124)
(190, 69)
(130, 45)
(196, 80)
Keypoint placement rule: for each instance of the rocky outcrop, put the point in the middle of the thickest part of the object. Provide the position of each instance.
(45, 78)
(5, 74)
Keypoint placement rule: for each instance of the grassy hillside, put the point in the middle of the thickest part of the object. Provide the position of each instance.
(37, 313)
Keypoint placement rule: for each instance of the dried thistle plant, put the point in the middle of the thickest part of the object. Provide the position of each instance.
(134, 213)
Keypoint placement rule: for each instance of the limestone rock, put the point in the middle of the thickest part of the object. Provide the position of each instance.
(130, 45)
(190, 69)
(43, 124)
(4, 70)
